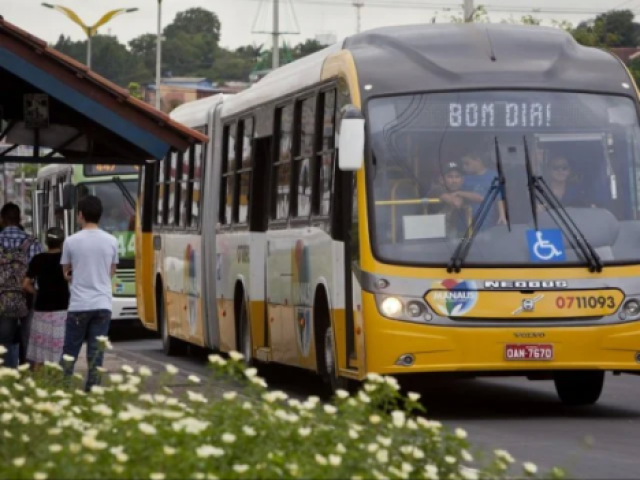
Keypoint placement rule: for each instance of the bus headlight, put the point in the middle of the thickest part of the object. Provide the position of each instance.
(403, 308)
(391, 307)
(630, 310)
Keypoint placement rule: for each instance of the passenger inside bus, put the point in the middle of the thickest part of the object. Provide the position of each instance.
(455, 208)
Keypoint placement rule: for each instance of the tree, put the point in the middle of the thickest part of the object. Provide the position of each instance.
(135, 90)
(608, 30)
(194, 21)
(307, 48)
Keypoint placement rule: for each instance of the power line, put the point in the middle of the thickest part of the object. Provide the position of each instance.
(451, 7)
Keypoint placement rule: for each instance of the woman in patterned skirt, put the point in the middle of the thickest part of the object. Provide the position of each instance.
(46, 338)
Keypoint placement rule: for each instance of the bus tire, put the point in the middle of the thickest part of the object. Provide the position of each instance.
(325, 347)
(171, 346)
(245, 344)
(579, 388)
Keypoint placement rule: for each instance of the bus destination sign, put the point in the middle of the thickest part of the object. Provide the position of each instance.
(103, 169)
(499, 114)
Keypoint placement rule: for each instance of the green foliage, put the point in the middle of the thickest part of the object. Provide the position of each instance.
(135, 90)
(132, 429)
(190, 49)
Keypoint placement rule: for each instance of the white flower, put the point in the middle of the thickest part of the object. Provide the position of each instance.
(157, 476)
(248, 431)
(90, 442)
(392, 382)
(406, 467)
(269, 397)
(342, 394)
(418, 454)
(209, 451)
(411, 424)
(353, 434)
(364, 398)
(68, 358)
(335, 460)
(450, 459)
(237, 356)
(54, 431)
(24, 367)
(122, 457)
(431, 472)
(40, 476)
(147, 429)
(217, 360)
(375, 378)
(466, 456)
(259, 381)
(196, 397)
(372, 447)
(370, 387)
(382, 456)
(304, 432)
(530, 468)
(375, 419)
(144, 372)
(330, 409)
(251, 372)
(127, 369)
(3, 350)
(504, 455)
(228, 437)
(230, 395)
(103, 339)
(103, 410)
(460, 433)
(168, 450)
(384, 441)
(55, 448)
(320, 460)
(399, 418)
(341, 449)
(194, 379)
(98, 390)
(468, 473)
(19, 462)
(413, 396)
(171, 369)
(116, 378)
(240, 468)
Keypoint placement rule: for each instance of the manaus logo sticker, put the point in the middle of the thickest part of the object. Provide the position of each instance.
(454, 298)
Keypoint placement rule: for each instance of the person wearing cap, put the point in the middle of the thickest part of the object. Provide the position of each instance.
(46, 338)
(453, 206)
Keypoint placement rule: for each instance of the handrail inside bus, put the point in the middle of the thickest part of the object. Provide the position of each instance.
(413, 201)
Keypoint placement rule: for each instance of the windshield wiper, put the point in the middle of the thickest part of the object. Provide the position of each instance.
(539, 189)
(498, 185)
(128, 197)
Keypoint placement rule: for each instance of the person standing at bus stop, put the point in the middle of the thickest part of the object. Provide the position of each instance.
(17, 248)
(89, 261)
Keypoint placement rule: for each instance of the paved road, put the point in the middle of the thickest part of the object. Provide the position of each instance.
(523, 417)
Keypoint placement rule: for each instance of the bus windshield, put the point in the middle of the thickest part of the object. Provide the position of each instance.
(118, 217)
(434, 158)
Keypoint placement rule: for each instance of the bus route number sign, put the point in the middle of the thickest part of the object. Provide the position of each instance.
(104, 169)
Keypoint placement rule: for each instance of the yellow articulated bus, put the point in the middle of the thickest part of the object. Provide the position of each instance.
(435, 198)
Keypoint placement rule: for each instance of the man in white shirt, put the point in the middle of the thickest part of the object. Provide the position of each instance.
(89, 260)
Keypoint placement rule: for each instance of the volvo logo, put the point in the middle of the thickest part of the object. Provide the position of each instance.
(526, 284)
(528, 334)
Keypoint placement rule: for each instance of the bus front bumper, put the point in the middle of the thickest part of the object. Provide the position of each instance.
(490, 349)
(124, 308)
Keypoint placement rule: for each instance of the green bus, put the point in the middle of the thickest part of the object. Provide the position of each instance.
(54, 200)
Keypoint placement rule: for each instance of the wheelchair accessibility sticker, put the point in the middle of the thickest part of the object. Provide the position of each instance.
(545, 245)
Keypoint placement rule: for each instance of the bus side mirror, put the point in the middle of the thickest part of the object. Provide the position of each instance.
(351, 142)
(68, 196)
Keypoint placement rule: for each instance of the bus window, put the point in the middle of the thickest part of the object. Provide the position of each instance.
(305, 148)
(160, 192)
(325, 158)
(173, 201)
(282, 168)
(244, 173)
(228, 177)
(182, 186)
(575, 142)
(200, 152)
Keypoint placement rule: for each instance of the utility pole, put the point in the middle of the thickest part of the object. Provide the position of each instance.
(358, 4)
(276, 34)
(159, 55)
(468, 10)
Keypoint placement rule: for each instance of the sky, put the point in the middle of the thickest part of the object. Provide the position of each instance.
(241, 18)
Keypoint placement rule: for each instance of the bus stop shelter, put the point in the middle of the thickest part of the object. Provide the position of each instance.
(48, 100)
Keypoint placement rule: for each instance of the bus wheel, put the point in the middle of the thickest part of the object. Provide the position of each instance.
(329, 367)
(579, 388)
(246, 345)
(171, 346)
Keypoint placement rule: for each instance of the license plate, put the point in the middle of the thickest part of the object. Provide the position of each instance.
(529, 352)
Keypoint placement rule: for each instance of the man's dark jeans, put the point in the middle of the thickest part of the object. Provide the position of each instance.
(87, 325)
(8, 329)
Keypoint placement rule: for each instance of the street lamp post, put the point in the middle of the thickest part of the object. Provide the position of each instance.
(159, 55)
(89, 30)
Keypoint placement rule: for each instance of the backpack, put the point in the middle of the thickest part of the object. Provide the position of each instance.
(14, 263)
